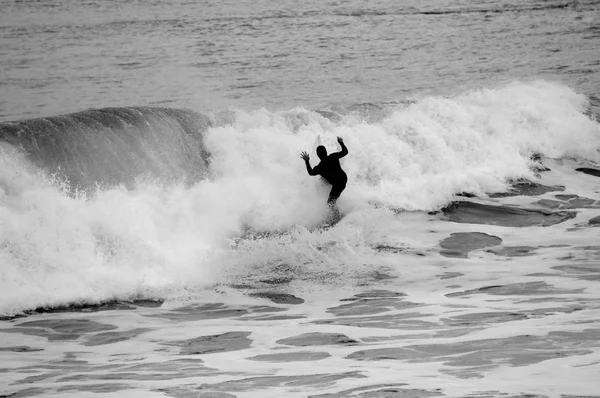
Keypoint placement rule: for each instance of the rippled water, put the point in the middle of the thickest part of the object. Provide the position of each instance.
(467, 261)
(64, 56)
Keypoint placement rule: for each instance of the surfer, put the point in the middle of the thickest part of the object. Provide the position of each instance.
(329, 168)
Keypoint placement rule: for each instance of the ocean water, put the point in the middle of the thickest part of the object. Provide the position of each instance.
(159, 234)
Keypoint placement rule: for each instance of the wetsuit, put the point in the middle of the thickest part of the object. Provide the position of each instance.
(329, 168)
(332, 172)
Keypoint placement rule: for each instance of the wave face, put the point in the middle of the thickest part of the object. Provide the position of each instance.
(168, 236)
(114, 145)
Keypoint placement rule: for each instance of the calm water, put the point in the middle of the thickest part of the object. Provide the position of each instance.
(65, 56)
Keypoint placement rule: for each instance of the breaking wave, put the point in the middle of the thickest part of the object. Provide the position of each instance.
(126, 203)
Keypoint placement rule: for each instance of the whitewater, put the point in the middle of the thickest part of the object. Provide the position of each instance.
(64, 245)
(160, 236)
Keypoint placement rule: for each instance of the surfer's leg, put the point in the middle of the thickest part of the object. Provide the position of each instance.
(336, 191)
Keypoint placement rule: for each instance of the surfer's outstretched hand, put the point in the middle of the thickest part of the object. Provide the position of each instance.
(340, 140)
(304, 156)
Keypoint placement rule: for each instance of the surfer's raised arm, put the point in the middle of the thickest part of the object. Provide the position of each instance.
(306, 158)
(344, 150)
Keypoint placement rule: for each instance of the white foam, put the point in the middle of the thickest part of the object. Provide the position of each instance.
(157, 241)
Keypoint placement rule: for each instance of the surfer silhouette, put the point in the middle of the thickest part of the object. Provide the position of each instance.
(329, 168)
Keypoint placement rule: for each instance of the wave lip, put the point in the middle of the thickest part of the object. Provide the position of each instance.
(113, 146)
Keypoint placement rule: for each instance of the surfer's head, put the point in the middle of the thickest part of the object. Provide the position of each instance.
(321, 152)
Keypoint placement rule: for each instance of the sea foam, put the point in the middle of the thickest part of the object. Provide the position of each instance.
(159, 239)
